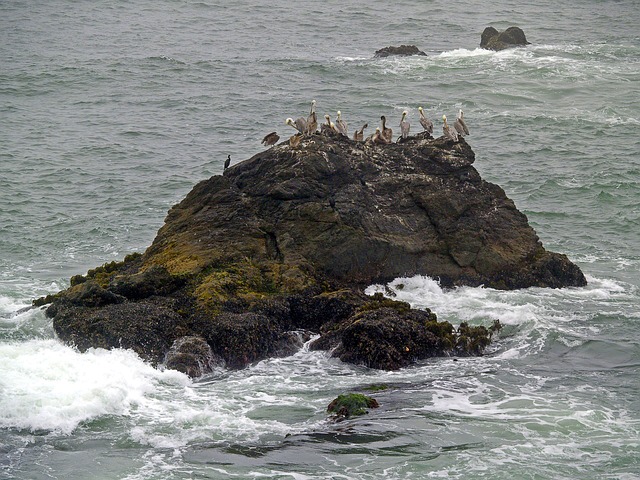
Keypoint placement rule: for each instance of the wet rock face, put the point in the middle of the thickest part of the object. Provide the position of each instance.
(492, 39)
(286, 240)
(193, 356)
(402, 51)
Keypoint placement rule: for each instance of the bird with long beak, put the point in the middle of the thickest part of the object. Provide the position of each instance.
(404, 125)
(300, 124)
(460, 125)
(341, 125)
(312, 119)
(448, 132)
(427, 124)
(386, 134)
(358, 135)
(377, 137)
(326, 127)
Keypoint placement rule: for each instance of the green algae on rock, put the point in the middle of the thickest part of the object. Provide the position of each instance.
(287, 240)
(349, 405)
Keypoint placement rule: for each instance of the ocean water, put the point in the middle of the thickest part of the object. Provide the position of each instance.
(111, 111)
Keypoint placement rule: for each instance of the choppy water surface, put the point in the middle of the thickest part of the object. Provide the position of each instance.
(111, 111)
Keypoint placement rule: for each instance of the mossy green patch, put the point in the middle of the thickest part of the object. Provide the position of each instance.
(248, 281)
(378, 300)
(351, 404)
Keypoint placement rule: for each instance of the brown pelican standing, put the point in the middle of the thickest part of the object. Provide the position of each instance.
(358, 135)
(460, 125)
(404, 125)
(270, 139)
(448, 132)
(376, 138)
(327, 128)
(312, 120)
(300, 124)
(227, 162)
(386, 134)
(341, 125)
(294, 140)
(427, 124)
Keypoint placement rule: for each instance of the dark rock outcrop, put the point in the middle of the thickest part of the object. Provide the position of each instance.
(192, 355)
(286, 240)
(491, 39)
(401, 51)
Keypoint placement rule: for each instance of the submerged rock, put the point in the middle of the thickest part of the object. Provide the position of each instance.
(287, 240)
(350, 405)
(401, 51)
(492, 39)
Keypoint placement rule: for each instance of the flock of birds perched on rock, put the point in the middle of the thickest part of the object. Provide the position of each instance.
(382, 136)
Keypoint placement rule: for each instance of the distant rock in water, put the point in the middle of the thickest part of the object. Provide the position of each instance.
(491, 39)
(402, 51)
(283, 244)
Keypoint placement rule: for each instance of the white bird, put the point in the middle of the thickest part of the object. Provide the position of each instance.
(404, 125)
(427, 124)
(448, 132)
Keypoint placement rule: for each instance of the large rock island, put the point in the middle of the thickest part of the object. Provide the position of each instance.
(285, 242)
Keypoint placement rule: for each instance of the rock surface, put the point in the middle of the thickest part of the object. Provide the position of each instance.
(283, 243)
(491, 39)
(349, 405)
(402, 51)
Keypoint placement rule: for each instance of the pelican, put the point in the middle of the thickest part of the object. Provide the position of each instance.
(460, 125)
(376, 138)
(404, 125)
(300, 124)
(326, 128)
(448, 132)
(294, 140)
(270, 139)
(358, 135)
(386, 134)
(312, 120)
(341, 125)
(427, 124)
(227, 162)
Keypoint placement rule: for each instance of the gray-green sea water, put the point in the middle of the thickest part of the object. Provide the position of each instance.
(111, 111)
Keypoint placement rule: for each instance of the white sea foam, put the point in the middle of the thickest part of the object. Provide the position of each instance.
(48, 386)
(466, 53)
(479, 305)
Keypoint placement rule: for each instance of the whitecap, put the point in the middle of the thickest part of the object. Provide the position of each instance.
(466, 53)
(48, 386)
(352, 59)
